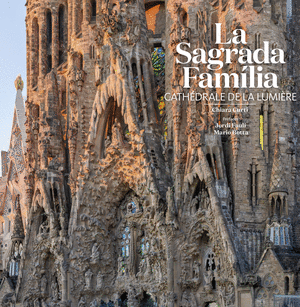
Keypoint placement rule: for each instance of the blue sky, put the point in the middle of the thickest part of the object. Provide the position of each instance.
(12, 62)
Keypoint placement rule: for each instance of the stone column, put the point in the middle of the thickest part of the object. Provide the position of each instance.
(86, 12)
(64, 282)
(33, 55)
(98, 11)
(70, 21)
(76, 13)
(43, 46)
(170, 264)
(55, 40)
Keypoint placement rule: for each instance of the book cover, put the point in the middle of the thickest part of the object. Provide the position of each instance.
(154, 160)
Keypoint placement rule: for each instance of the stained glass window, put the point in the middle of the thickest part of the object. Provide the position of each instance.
(133, 207)
(158, 64)
(158, 61)
(125, 250)
(272, 234)
(289, 10)
(262, 294)
(143, 247)
(286, 230)
(281, 236)
(276, 242)
(161, 104)
(17, 269)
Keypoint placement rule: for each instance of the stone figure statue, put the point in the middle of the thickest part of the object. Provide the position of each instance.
(20, 249)
(196, 270)
(55, 290)
(94, 303)
(44, 304)
(99, 281)
(44, 228)
(82, 302)
(44, 285)
(117, 138)
(142, 268)
(95, 257)
(208, 278)
(16, 253)
(194, 204)
(88, 279)
(36, 303)
(188, 300)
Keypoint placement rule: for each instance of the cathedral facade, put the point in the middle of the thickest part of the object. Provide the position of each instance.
(132, 199)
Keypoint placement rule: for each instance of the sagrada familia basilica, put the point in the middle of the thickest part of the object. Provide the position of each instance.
(113, 196)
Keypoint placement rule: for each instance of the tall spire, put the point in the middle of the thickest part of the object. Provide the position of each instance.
(18, 231)
(20, 108)
(277, 181)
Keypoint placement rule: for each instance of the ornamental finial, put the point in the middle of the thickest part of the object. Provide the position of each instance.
(19, 84)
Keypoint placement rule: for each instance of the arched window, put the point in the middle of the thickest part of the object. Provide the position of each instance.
(49, 40)
(286, 286)
(278, 207)
(123, 300)
(257, 40)
(184, 18)
(63, 33)
(134, 70)
(92, 52)
(126, 236)
(35, 52)
(80, 62)
(198, 20)
(147, 301)
(94, 10)
(287, 236)
(262, 294)
(269, 281)
(49, 28)
(261, 128)
(214, 20)
(210, 264)
(80, 20)
(131, 207)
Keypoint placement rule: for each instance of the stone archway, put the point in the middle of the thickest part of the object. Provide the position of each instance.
(147, 301)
